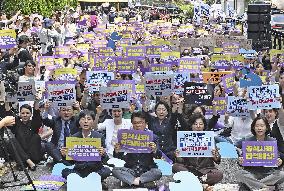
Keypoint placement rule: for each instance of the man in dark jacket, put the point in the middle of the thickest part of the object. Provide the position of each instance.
(140, 168)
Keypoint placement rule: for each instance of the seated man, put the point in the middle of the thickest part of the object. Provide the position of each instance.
(140, 168)
(84, 168)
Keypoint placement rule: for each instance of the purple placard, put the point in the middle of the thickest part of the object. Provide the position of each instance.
(105, 51)
(62, 52)
(126, 65)
(154, 50)
(129, 83)
(135, 141)
(221, 106)
(220, 64)
(136, 51)
(191, 64)
(160, 67)
(231, 47)
(228, 82)
(260, 153)
(52, 178)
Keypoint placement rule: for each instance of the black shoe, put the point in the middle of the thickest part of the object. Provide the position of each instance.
(150, 185)
(244, 187)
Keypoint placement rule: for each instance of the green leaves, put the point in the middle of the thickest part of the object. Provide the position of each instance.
(44, 7)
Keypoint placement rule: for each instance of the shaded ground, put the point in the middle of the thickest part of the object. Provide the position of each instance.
(228, 166)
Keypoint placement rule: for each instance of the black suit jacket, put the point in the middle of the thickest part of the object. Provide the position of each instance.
(56, 125)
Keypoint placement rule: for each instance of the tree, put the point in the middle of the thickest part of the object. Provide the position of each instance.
(44, 7)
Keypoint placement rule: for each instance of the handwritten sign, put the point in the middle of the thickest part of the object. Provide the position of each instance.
(159, 85)
(260, 153)
(237, 106)
(180, 79)
(135, 141)
(214, 77)
(7, 39)
(62, 52)
(61, 93)
(191, 64)
(263, 97)
(198, 93)
(114, 97)
(83, 149)
(95, 80)
(26, 91)
(195, 143)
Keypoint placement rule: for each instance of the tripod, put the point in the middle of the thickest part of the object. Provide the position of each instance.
(15, 178)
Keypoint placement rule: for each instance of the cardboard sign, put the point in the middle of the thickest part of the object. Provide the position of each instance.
(114, 97)
(7, 39)
(198, 93)
(237, 106)
(62, 52)
(159, 85)
(95, 80)
(83, 149)
(26, 91)
(263, 97)
(191, 64)
(134, 141)
(260, 153)
(61, 93)
(128, 83)
(195, 143)
(214, 77)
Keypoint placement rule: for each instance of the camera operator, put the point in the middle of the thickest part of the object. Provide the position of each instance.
(48, 36)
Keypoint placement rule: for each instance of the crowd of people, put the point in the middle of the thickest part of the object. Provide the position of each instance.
(40, 129)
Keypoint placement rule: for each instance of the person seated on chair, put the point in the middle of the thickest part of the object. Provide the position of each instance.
(84, 168)
(62, 126)
(140, 168)
(259, 177)
(203, 167)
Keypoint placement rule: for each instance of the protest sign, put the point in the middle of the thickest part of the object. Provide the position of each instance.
(45, 185)
(159, 85)
(136, 51)
(160, 67)
(263, 97)
(237, 106)
(105, 51)
(95, 79)
(26, 91)
(62, 52)
(249, 79)
(195, 143)
(154, 51)
(198, 93)
(214, 77)
(180, 79)
(47, 61)
(83, 149)
(191, 64)
(128, 83)
(135, 141)
(260, 153)
(220, 106)
(170, 56)
(114, 97)
(68, 74)
(88, 36)
(231, 47)
(99, 43)
(126, 65)
(61, 93)
(228, 82)
(83, 47)
(7, 38)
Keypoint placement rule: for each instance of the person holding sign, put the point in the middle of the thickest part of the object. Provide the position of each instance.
(84, 168)
(140, 168)
(203, 167)
(258, 176)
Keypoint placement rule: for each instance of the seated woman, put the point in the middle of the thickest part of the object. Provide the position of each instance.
(200, 166)
(27, 141)
(256, 177)
(84, 168)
